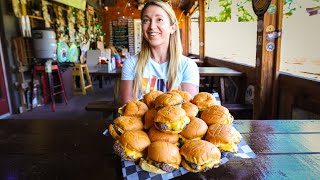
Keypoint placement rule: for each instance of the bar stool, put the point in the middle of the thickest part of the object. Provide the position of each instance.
(49, 88)
(81, 70)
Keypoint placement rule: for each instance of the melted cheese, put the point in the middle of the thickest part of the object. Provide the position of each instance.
(209, 164)
(179, 125)
(231, 147)
(184, 140)
(134, 154)
(152, 162)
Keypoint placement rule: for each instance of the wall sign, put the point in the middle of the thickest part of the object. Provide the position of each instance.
(260, 6)
(80, 4)
(120, 33)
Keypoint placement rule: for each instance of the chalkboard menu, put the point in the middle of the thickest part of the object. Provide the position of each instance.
(120, 33)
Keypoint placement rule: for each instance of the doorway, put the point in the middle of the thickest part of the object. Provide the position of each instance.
(4, 104)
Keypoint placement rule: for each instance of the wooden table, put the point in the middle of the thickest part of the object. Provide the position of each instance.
(102, 71)
(221, 72)
(76, 149)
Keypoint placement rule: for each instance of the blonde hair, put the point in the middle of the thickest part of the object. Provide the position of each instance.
(113, 50)
(175, 50)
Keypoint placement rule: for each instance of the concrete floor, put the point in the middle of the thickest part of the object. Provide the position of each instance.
(75, 109)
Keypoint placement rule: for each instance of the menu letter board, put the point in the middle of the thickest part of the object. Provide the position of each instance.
(120, 33)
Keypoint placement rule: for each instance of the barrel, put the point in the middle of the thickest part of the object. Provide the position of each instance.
(44, 44)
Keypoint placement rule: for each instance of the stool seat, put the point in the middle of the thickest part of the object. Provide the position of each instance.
(81, 71)
(49, 88)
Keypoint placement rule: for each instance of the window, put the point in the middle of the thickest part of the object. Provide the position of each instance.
(195, 33)
(231, 29)
(300, 49)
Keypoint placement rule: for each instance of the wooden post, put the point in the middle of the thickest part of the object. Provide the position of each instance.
(202, 29)
(268, 61)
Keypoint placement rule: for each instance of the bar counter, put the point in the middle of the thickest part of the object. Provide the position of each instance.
(77, 149)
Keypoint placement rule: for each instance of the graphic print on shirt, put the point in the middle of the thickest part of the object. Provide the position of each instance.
(152, 84)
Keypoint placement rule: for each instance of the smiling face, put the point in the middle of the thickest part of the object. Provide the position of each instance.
(156, 27)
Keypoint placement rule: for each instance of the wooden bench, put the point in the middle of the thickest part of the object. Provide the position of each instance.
(106, 107)
(240, 111)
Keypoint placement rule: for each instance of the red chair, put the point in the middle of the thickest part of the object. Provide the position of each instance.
(49, 88)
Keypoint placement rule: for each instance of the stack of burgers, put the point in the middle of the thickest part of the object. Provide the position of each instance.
(164, 131)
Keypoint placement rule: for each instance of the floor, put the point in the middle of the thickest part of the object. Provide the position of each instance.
(75, 109)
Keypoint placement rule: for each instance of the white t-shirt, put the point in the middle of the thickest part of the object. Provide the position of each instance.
(155, 75)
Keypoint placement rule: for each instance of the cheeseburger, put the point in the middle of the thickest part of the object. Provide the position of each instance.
(191, 109)
(168, 99)
(149, 117)
(200, 155)
(171, 119)
(162, 157)
(186, 96)
(132, 145)
(133, 108)
(195, 130)
(124, 123)
(156, 135)
(216, 115)
(150, 97)
(204, 100)
(224, 136)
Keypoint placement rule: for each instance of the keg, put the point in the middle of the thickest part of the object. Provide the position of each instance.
(44, 44)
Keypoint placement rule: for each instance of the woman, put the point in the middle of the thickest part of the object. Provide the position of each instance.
(160, 64)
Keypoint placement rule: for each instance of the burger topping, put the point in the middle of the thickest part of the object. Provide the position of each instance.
(125, 153)
(174, 126)
(162, 126)
(164, 166)
(203, 167)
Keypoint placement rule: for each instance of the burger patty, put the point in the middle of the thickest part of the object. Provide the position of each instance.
(162, 126)
(120, 151)
(194, 165)
(164, 166)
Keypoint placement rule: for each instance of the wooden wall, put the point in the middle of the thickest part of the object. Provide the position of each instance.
(297, 92)
(112, 14)
(294, 91)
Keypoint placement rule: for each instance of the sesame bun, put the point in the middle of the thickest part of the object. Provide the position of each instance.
(149, 117)
(186, 96)
(204, 100)
(191, 109)
(216, 115)
(124, 123)
(196, 129)
(171, 119)
(161, 152)
(168, 99)
(224, 136)
(133, 108)
(156, 135)
(150, 97)
(202, 154)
